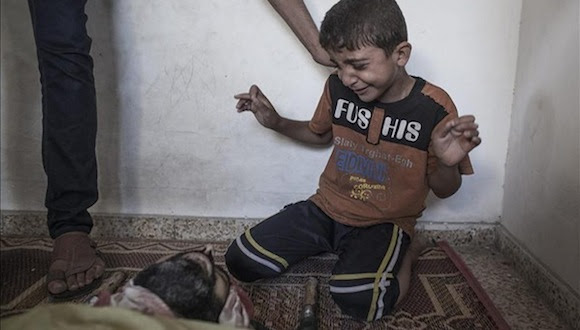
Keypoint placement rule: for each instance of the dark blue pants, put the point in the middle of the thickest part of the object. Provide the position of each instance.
(364, 281)
(69, 112)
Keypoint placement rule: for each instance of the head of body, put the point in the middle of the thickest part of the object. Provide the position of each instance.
(367, 41)
(187, 285)
(191, 285)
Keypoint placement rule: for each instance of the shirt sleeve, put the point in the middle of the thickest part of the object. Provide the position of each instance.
(321, 121)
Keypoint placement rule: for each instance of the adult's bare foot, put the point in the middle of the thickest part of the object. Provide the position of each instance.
(75, 266)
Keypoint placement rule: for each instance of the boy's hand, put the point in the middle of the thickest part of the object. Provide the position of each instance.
(256, 102)
(453, 141)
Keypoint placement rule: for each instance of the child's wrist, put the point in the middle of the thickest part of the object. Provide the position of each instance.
(442, 164)
(278, 124)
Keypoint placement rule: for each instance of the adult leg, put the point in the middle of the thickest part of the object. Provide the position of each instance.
(68, 139)
(298, 231)
(365, 280)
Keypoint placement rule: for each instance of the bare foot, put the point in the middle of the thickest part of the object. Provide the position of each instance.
(75, 265)
(419, 243)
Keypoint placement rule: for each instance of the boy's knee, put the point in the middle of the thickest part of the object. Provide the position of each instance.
(235, 262)
(241, 266)
(361, 306)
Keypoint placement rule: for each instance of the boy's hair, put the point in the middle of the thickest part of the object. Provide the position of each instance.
(184, 286)
(353, 24)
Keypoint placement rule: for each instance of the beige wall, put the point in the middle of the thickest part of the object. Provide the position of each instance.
(542, 183)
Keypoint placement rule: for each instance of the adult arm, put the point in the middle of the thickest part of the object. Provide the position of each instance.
(296, 15)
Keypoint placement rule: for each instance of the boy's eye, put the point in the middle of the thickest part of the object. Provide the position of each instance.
(359, 66)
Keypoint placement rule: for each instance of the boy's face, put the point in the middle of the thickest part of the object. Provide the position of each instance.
(368, 71)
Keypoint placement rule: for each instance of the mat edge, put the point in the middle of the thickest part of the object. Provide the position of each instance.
(492, 311)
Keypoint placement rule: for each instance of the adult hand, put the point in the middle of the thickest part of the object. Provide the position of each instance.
(453, 141)
(321, 57)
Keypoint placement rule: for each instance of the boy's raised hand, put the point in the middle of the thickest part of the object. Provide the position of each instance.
(453, 141)
(256, 102)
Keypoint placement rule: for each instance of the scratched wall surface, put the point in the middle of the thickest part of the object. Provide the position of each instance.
(170, 141)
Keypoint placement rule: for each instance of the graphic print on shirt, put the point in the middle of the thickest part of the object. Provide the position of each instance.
(394, 128)
(360, 171)
(365, 169)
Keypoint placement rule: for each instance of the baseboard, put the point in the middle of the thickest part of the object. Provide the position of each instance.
(23, 223)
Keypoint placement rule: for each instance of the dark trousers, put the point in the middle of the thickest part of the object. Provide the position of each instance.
(364, 281)
(69, 112)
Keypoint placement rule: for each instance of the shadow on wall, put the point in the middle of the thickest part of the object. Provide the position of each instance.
(101, 27)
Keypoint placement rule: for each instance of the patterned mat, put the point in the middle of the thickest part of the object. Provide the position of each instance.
(443, 293)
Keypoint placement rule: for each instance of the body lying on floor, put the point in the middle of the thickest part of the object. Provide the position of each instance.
(169, 294)
(68, 316)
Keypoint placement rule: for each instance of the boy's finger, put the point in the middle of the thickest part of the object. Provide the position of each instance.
(263, 99)
(446, 129)
(461, 123)
(240, 104)
(466, 119)
(254, 92)
(471, 133)
(258, 97)
(245, 96)
(245, 107)
(469, 126)
(472, 143)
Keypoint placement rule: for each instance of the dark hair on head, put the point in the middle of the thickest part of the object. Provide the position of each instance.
(184, 286)
(353, 24)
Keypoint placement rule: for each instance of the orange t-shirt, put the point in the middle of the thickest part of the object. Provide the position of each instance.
(378, 169)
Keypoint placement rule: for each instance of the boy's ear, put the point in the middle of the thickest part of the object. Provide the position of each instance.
(402, 53)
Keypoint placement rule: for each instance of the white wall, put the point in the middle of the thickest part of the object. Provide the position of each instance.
(170, 141)
(542, 184)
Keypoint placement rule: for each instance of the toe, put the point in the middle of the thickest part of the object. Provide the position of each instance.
(81, 279)
(90, 275)
(99, 268)
(71, 282)
(57, 286)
